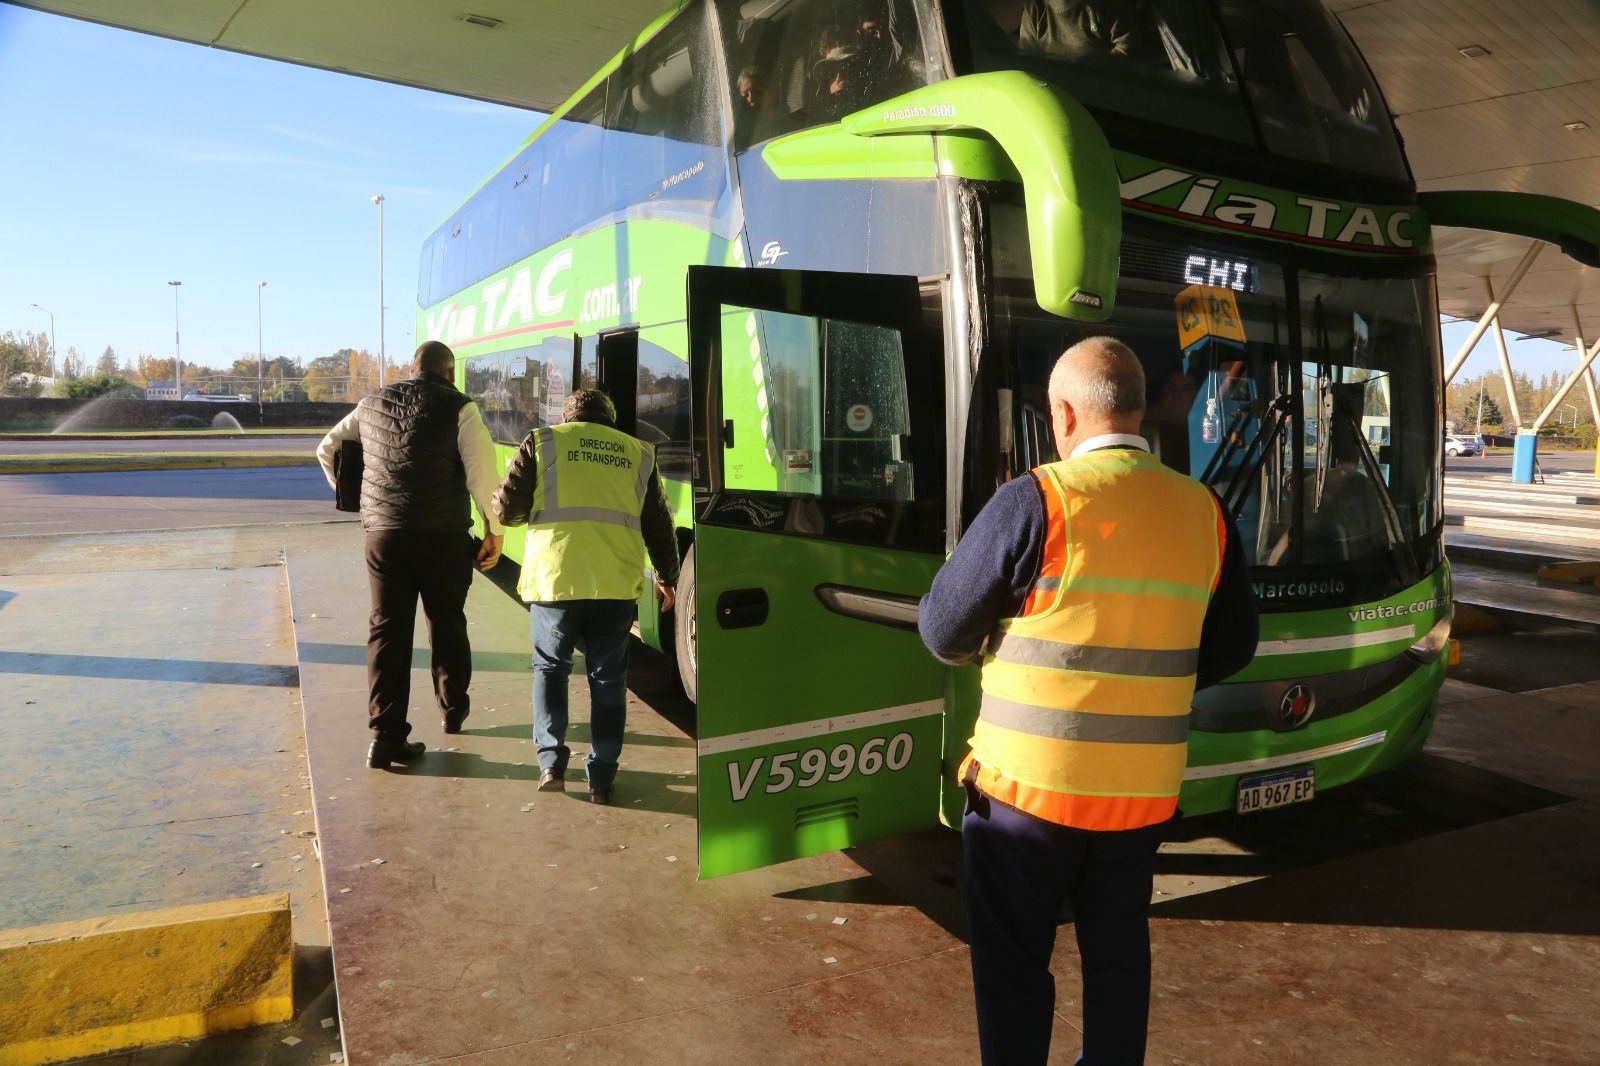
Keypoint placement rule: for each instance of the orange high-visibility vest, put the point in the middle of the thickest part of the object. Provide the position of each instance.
(1085, 713)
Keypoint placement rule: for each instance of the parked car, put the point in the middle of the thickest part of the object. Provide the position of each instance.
(1463, 444)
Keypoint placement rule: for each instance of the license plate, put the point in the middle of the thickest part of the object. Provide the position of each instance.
(1276, 790)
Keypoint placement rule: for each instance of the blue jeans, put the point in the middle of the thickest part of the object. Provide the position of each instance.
(555, 630)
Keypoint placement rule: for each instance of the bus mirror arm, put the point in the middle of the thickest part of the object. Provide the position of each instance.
(1069, 176)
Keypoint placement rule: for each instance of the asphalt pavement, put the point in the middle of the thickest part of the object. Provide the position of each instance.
(146, 445)
(145, 500)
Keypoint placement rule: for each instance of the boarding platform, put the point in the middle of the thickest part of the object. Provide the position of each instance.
(157, 685)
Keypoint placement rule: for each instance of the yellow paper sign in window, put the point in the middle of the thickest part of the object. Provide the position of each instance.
(1207, 311)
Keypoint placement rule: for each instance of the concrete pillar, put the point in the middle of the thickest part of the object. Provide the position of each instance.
(1523, 453)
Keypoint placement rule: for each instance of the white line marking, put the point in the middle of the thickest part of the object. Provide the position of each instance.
(758, 738)
(1336, 643)
(1228, 769)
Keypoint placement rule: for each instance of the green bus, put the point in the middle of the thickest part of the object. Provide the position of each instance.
(823, 253)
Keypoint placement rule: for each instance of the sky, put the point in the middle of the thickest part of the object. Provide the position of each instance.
(133, 161)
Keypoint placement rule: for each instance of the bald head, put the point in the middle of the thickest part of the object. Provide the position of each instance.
(1097, 386)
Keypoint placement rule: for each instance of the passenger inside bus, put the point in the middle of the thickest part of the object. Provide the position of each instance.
(759, 115)
(819, 60)
(1076, 27)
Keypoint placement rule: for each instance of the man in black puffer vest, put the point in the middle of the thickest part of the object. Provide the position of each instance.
(425, 449)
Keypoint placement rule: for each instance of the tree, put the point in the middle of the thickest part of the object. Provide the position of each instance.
(106, 365)
(23, 360)
(347, 374)
(1491, 412)
(153, 369)
(71, 363)
(89, 386)
(328, 377)
(285, 391)
(363, 371)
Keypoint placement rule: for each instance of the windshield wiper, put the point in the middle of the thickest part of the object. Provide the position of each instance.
(1340, 415)
(1271, 416)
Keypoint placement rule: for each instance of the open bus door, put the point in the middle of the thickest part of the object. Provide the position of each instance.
(819, 468)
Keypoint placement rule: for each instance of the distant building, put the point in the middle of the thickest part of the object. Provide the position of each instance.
(167, 390)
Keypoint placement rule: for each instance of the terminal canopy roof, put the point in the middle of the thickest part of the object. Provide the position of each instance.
(1489, 94)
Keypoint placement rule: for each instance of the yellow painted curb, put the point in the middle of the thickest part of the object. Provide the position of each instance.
(84, 988)
(1574, 572)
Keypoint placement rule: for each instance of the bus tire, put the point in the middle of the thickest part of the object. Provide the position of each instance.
(683, 625)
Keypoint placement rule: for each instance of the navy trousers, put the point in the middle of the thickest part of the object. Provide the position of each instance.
(1019, 870)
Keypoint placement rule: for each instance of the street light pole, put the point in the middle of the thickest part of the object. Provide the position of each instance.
(1480, 410)
(52, 342)
(177, 343)
(383, 358)
(261, 375)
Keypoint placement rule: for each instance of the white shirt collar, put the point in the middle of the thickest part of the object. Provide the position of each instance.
(1111, 440)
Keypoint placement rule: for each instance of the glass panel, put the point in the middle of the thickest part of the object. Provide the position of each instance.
(663, 418)
(1369, 389)
(866, 420)
(1312, 93)
(801, 63)
(569, 194)
(521, 389)
(818, 408)
(1325, 443)
(663, 136)
(1151, 60)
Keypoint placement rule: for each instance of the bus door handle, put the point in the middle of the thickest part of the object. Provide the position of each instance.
(742, 608)
(872, 605)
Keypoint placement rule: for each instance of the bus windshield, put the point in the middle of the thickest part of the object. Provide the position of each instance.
(1307, 400)
(1274, 74)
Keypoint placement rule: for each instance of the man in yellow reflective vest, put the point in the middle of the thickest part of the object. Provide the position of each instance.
(1098, 592)
(591, 498)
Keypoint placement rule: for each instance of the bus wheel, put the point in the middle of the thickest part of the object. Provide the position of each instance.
(683, 626)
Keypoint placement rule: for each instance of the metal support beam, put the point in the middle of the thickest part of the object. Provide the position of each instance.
(1493, 313)
(1588, 379)
(1572, 379)
(1505, 356)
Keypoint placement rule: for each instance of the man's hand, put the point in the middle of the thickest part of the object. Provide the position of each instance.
(489, 553)
(664, 594)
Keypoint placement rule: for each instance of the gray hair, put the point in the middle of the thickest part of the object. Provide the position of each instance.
(1099, 376)
(589, 405)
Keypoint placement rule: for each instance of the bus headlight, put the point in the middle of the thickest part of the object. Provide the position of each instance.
(1434, 641)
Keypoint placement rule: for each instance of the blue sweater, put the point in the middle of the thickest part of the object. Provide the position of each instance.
(988, 576)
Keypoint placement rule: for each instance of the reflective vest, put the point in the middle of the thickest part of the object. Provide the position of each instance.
(1085, 714)
(583, 540)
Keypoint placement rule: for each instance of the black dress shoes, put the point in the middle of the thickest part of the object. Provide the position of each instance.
(600, 795)
(452, 722)
(384, 752)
